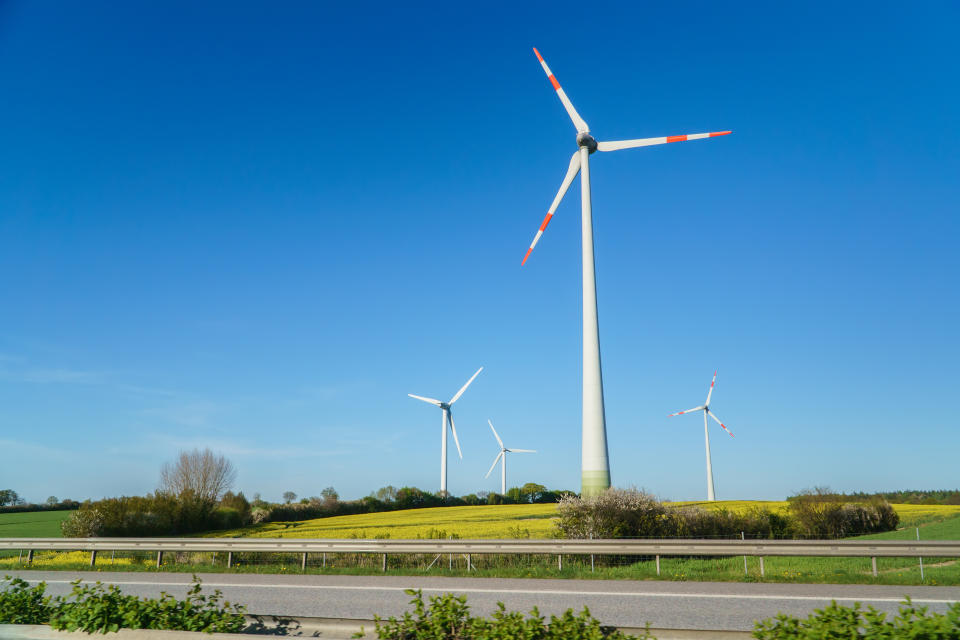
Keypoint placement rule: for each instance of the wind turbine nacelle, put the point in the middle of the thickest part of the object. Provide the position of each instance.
(587, 140)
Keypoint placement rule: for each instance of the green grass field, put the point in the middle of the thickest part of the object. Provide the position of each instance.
(36, 524)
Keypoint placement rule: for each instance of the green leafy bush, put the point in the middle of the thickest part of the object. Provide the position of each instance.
(22, 604)
(852, 623)
(104, 608)
(100, 608)
(448, 618)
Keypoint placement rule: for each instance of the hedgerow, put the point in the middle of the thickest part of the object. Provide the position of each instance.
(626, 513)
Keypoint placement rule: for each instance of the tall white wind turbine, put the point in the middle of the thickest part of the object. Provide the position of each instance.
(595, 464)
(447, 415)
(706, 433)
(502, 457)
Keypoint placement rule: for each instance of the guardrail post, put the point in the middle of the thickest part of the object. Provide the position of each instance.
(658, 564)
(303, 561)
(324, 559)
(384, 566)
(29, 556)
(921, 557)
(762, 574)
(873, 561)
(743, 537)
(159, 559)
(229, 559)
(469, 563)
(93, 557)
(560, 562)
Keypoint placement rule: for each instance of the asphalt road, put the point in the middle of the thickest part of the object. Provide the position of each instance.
(665, 605)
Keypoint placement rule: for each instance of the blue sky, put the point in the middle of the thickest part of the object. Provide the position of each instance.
(257, 227)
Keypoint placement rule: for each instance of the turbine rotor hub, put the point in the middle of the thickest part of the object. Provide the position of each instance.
(586, 140)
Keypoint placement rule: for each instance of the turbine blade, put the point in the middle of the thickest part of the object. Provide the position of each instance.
(577, 120)
(499, 441)
(430, 400)
(710, 393)
(495, 461)
(453, 428)
(464, 387)
(522, 450)
(680, 413)
(646, 142)
(710, 413)
(572, 172)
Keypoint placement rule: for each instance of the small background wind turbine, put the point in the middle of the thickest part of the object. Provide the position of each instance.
(502, 457)
(447, 415)
(595, 464)
(706, 433)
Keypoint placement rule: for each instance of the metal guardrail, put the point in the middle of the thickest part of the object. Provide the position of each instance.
(651, 547)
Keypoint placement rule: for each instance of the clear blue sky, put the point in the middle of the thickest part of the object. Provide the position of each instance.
(257, 227)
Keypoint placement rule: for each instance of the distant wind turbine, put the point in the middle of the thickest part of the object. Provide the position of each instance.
(706, 433)
(595, 465)
(447, 415)
(502, 457)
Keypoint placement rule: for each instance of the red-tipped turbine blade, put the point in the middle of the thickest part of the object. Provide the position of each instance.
(572, 171)
(646, 142)
(578, 122)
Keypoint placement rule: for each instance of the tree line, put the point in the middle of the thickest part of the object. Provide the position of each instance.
(195, 494)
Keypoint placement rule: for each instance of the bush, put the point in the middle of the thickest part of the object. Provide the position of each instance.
(102, 609)
(615, 513)
(851, 623)
(822, 515)
(99, 608)
(22, 604)
(448, 618)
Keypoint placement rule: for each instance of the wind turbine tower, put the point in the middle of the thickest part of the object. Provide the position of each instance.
(595, 465)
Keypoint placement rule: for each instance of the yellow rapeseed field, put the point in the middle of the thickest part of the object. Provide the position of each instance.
(495, 521)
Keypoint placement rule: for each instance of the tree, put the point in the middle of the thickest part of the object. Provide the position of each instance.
(532, 492)
(8, 496)
(289, 496)
(53, 501)
(386, 494)
(330, 494)
(200, 475)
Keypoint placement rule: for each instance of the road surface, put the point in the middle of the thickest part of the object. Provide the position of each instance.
(622, 603)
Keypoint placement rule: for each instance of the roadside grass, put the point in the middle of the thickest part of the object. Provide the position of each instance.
(892, 571)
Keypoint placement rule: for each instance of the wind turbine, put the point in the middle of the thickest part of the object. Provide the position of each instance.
(595, 464)
(706, 433)
(502, 456)
(447, 415)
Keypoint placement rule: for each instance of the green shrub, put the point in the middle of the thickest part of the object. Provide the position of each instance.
(851, 623)
(825, 515)
(448, 618)
(101, 609)
(22, 604)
